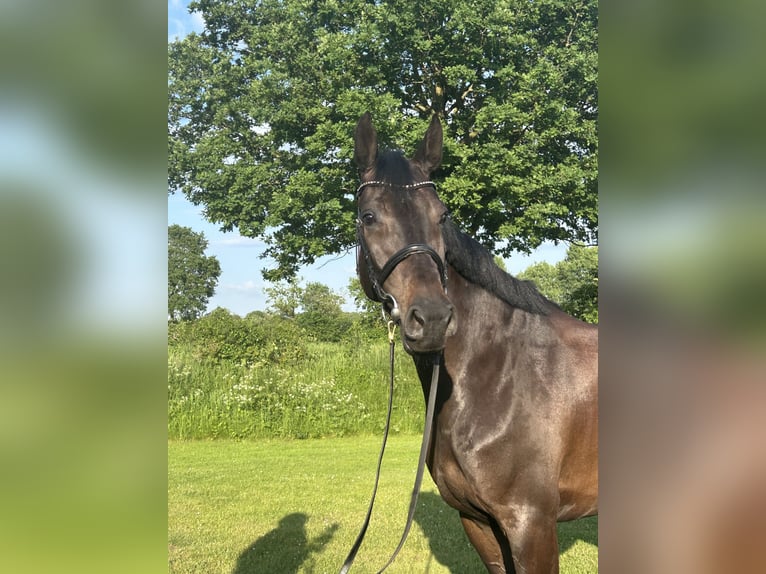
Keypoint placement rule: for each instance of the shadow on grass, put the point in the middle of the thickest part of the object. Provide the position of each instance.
(585, 529)
(284, 549)
(449, 543)
(446, 537)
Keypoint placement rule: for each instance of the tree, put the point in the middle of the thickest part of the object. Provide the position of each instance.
(572, 283)
(578, 274)
(192, 276)
(322, 314)
(263, 103)
(320, 299)
(545, 277)
(284, 298)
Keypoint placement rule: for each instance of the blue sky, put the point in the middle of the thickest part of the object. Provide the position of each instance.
(240, 287)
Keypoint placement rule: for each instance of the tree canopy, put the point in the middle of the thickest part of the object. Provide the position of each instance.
(263, 103)
(192, 275)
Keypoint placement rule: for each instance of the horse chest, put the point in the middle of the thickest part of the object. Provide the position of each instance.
(455, 486)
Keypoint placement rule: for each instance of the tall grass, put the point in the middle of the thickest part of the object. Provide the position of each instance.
(334, 389)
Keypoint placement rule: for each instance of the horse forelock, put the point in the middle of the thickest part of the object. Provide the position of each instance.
(392, 167)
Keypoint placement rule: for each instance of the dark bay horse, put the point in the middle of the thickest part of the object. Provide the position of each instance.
(514, 446)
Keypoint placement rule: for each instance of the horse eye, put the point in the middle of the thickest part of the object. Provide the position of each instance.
(368, 218)
(444, 217)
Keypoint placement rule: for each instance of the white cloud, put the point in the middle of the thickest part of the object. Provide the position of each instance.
(176, 29)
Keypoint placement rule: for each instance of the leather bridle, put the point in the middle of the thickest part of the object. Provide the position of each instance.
(377, 275)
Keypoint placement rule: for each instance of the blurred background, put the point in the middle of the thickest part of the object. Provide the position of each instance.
(82, 296)
(682, 205)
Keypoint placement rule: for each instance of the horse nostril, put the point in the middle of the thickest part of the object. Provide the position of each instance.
(426, 325)
(450, 323)
(414, 323)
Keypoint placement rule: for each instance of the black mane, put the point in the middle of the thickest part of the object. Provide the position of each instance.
(469, 258)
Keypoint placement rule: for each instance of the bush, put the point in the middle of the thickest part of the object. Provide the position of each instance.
(265, 376)
(283, 340)
(328, 327)
(222, 336)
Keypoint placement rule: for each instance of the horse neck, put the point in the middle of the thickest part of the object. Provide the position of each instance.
(486, 327)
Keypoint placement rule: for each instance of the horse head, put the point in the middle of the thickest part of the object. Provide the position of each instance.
(401, 260)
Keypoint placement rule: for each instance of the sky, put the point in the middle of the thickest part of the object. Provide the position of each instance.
(241, 285)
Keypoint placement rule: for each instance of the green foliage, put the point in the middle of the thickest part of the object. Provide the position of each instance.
(322, 314)
(545, 277)
(370, 314)
(578, 273)
(284, 298)
(572, 283)
(266, 375)
(221, 336)
(262, 108)
(315, 308)
(192, 276)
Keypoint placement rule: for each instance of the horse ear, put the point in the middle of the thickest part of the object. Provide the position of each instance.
(365, 144)
(429, 154)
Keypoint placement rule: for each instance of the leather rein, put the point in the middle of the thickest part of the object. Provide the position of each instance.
(390, 306)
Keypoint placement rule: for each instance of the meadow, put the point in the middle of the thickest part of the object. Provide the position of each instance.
(287, 506)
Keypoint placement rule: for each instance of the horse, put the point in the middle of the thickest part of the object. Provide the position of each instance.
(514, 441)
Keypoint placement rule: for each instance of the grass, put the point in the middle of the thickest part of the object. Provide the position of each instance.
(289, 506)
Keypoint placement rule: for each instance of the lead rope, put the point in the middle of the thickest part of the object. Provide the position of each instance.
(421, 461)
(360, 537)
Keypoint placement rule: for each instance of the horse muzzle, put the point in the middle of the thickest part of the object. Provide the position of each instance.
(427, 324)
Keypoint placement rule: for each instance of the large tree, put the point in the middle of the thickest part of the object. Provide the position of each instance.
(192, 275)
(263, 103)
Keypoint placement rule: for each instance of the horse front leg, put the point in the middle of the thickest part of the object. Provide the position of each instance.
(491, 545)
(533, 539)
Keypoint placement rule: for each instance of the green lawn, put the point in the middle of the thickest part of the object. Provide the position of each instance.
(289, 506)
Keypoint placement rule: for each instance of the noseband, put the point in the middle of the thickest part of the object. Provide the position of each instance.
(379, 276)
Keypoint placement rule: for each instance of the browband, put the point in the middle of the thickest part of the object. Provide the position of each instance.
(364, 184)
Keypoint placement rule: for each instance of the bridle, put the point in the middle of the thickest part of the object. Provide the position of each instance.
(377, 275)
(377, 278)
